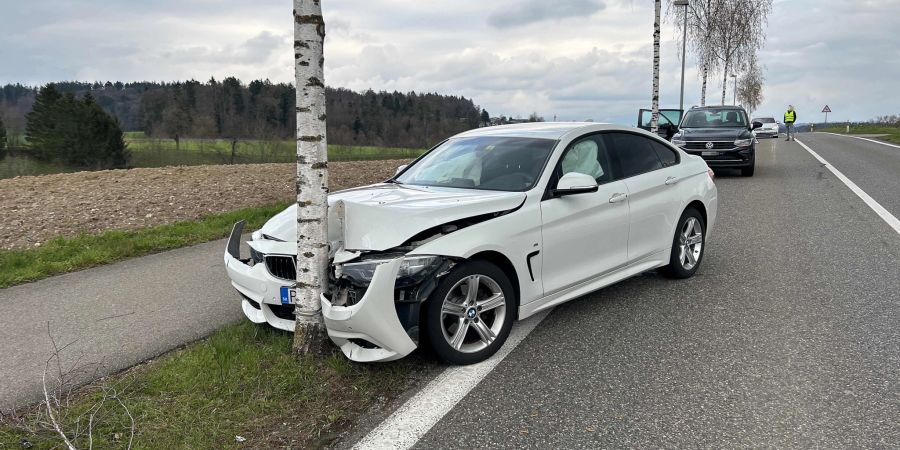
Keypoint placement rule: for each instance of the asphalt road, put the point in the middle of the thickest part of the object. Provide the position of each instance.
(111, 317)
(789, 336)
(874, 167)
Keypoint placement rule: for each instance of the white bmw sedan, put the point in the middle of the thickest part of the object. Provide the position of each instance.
(489, 226)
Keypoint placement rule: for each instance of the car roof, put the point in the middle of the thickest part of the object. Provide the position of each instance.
(545, 130)
(707, 108)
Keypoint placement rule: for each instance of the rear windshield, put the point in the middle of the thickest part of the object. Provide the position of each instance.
(764, 120)
(715, 118)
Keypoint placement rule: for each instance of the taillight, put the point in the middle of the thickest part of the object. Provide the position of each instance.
(712, 175)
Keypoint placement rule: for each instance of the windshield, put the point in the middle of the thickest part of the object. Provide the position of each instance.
(486, 162)
(764, 120)
(715, 118)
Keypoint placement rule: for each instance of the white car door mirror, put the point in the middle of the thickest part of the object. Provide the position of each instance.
(575, 183)
(400, 169)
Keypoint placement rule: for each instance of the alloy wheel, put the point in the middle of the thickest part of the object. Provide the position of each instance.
(473, 313)
(690, 239)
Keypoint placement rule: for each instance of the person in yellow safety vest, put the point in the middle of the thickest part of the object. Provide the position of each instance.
(790, 116)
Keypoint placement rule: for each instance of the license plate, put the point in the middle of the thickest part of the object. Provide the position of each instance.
(709, 153)
(288, 296)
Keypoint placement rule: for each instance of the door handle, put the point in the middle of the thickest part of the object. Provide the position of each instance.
(618, 197)
(671, 180)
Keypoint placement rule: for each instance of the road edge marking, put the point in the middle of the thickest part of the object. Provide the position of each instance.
(885, 215)
(862, 138)
(403, 428)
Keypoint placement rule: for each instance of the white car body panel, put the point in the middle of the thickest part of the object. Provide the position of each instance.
(559, 247)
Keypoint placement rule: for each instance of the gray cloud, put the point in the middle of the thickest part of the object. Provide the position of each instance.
(845, 54)
(532, 11)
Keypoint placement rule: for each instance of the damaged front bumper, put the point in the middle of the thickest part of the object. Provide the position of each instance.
(372, 315)
(372, 306)
(370, 330)
(260, 291)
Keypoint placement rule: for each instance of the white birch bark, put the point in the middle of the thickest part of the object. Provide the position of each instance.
(654, 118)
(703, 89)
(312, 177)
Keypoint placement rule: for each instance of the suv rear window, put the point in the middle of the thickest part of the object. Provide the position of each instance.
(764, 120)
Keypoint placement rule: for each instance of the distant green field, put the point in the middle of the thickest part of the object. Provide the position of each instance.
(892, 134)
(162, 152)
(146, 152)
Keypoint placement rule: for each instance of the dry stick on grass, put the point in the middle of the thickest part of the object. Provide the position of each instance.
(56, 400)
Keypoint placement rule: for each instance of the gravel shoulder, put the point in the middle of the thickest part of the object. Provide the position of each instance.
(39, 208)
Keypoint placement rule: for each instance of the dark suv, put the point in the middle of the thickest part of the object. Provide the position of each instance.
(721, 135)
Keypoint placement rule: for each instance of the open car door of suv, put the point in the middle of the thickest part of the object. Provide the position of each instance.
(668, 121)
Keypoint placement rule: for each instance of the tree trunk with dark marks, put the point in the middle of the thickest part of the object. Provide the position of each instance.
(310, 336)
(703, 89)
(654, 118)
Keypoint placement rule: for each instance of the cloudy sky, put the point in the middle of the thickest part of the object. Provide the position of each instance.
(572, 59)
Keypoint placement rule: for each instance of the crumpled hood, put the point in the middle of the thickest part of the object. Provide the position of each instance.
(713, 134)
(382, 216)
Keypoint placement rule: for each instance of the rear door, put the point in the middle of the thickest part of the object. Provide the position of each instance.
(647, 168)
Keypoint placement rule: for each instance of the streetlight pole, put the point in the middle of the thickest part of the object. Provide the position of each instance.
(683, 50)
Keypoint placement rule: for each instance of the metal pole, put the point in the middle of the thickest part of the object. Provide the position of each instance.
(683, 58)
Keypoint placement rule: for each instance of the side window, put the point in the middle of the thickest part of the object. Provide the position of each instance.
(666, 155)
(589, 156)
(634, 153)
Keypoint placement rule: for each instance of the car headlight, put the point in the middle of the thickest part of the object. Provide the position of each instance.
(743, 142)
(679, 142)
(413, 269)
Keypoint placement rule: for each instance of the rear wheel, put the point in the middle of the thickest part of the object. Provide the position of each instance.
(687, 245)
(470, 314)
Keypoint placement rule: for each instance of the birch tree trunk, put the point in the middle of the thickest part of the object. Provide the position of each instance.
(654, 117)
(703, 89)
(724, 81)
(310, 336)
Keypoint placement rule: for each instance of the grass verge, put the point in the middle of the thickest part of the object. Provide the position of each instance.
(62, 255)
(241, 381)
(891, 134)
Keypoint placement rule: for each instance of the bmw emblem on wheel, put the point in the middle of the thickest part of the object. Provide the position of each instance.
(710, 145)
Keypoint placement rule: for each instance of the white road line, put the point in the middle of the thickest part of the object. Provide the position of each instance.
(862, 138)
(883, 213)
(412, 420)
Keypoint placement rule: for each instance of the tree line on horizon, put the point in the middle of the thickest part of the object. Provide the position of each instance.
(260, 110)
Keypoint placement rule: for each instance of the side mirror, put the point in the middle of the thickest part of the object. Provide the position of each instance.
(756, 125)
(400, 169)
(575, 183)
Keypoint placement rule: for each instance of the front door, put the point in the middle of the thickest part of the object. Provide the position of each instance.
(584, 235)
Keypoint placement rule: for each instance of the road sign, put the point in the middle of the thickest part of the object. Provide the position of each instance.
(826, 109)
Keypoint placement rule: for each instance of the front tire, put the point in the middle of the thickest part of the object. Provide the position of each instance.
(688, 246)
(470, 314)
(748, 171)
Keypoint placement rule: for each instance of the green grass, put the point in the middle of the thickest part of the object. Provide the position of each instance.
(62, 255)
(892, 134)
(163, 152)
(243, 380)
(147, 152)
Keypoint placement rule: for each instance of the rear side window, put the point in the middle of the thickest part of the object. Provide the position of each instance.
(634, 153)
(666, 155)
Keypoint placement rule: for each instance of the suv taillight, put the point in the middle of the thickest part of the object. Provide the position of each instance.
(712, 175)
